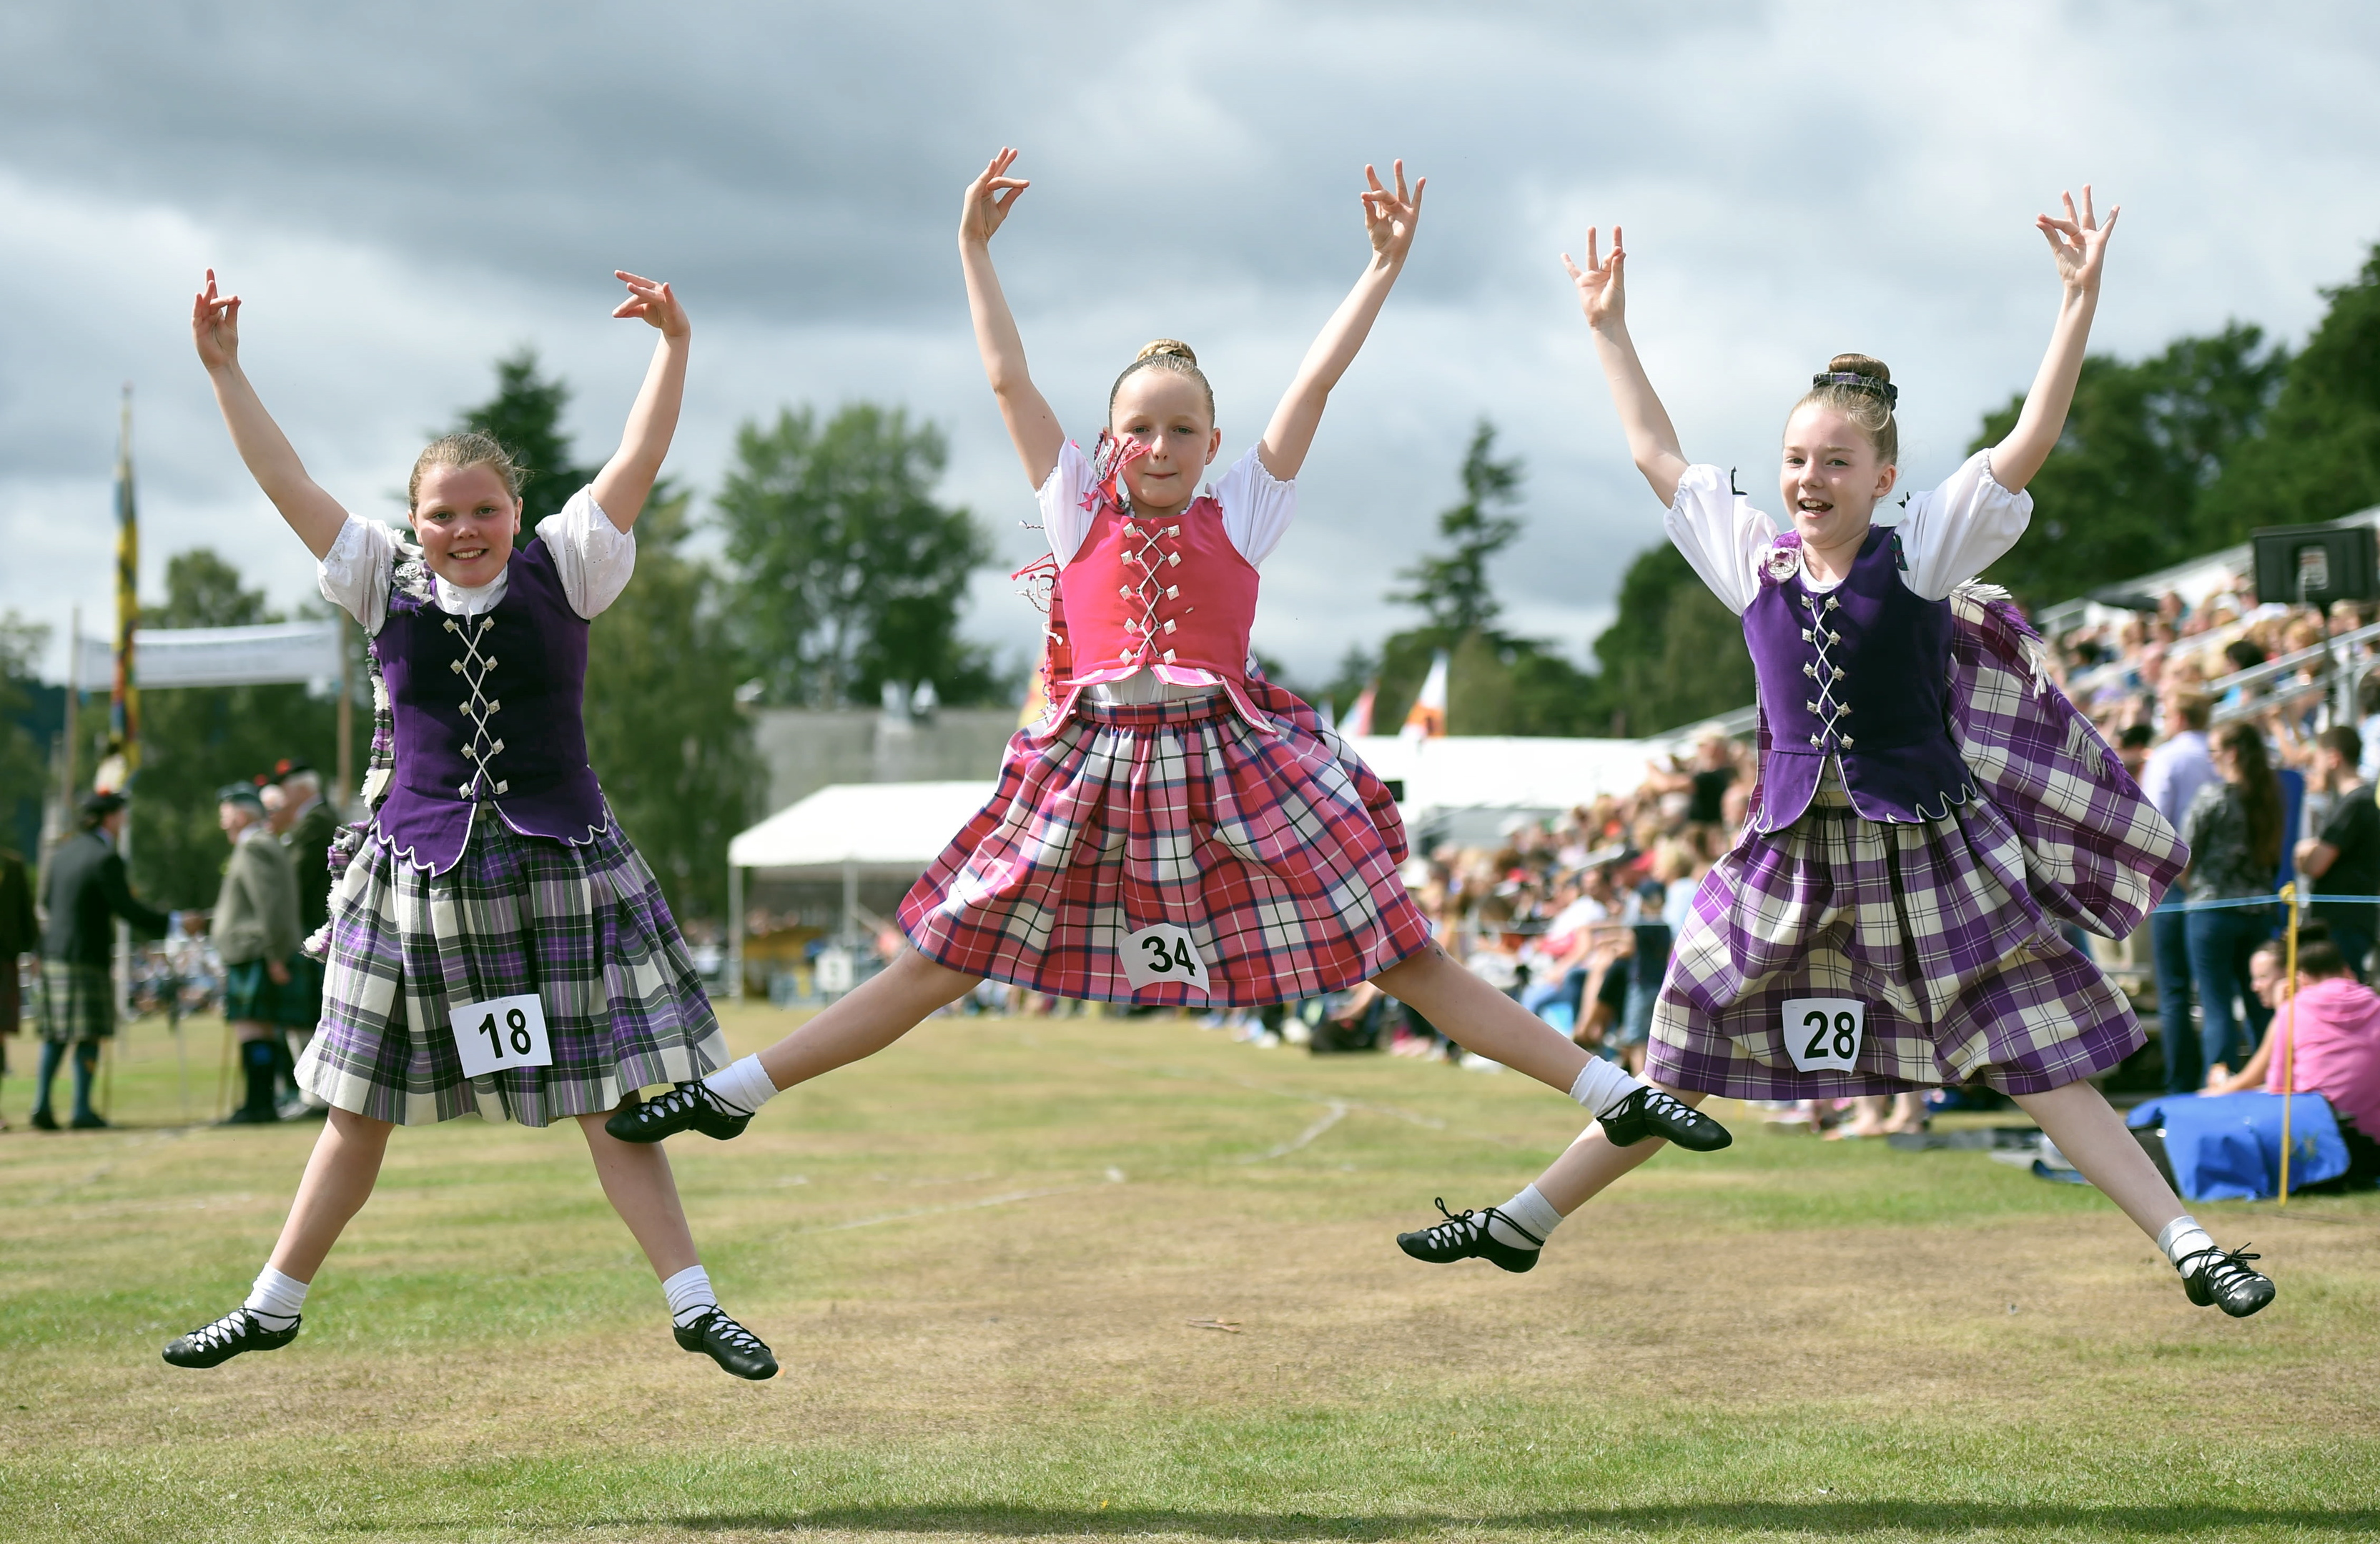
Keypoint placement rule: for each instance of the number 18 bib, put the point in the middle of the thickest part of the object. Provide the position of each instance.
(500, 1034)
(1823, 1034)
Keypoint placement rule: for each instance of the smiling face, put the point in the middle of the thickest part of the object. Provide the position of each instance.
(465, 518)
(1168, 413)
(1832, 478)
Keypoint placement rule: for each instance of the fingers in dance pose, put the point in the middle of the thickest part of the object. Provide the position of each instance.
(1869, 934)
(1176, 829)
(495, 946)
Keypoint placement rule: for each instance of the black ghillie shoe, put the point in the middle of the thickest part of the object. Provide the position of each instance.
(689, 1107)
(728, 1343)
(236, 1331)
(1465, 1236)
(2217, 1278)
(1650, 1113)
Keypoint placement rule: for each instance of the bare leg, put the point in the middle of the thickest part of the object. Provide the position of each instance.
(1908, 1113)
(1479, 1019)
(1592, 1162)
(884, 1008)
(637, 1182)
(2089, 1132)
(339, 1178)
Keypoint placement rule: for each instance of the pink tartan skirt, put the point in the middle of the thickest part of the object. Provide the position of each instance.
(1932, 926)
(1277, 853)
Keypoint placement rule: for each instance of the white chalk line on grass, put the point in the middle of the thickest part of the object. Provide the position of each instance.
(1337, 1112)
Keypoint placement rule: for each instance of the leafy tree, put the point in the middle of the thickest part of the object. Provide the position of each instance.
(2319, 454)
(2127, 489)
(525, 417)
(1451, 589)
(195, 739)
(1674, 655)
(24, 775)
(850, 573)
(662, 727)
(673, 752)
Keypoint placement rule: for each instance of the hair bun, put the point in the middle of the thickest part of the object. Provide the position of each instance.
(1174, 347)
(1859, 364)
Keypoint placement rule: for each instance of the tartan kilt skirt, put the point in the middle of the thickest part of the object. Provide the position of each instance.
(583, 927)
(250, 995)
(300, 1002)
(1931, 925)
(75, 1001)
(1277, 853)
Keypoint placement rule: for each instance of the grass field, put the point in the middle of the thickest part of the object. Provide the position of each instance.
(980, 1256)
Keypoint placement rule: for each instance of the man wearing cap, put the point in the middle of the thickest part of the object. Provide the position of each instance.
(306, 827)
(255, 928)
(84, 891)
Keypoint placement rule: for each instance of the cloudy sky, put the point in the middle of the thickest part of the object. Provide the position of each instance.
(404, 192)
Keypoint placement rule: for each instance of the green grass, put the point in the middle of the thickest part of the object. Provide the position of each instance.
(979, 1256)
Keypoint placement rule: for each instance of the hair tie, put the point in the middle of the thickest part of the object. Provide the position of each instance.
(1868, 384)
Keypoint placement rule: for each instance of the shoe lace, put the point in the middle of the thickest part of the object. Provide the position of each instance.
(735, 1335)
(1666, 1106)
(1461, 1228)
(2228, 1269)
(684, 1099)
(224, 1332)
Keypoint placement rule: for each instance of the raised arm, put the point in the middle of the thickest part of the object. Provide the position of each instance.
(1603, 295)
(1390, 218)
(2079, 245)
(626, 479)
(315, 515)
(1032, 426)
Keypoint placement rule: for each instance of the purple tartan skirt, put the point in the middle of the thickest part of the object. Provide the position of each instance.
(583, 927)
(1931, 925)
(1277, 853)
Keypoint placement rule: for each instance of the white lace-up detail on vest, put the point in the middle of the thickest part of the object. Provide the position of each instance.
(476, 668)
(1823, 670)
(1153, 558)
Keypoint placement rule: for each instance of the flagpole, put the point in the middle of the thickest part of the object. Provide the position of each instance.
(124, 706)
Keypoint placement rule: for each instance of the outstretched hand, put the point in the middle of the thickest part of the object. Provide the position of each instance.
(214, 326)
(1602, 287)
(655, 301)
(1390, 214)
(2078, 243)
(990, 198)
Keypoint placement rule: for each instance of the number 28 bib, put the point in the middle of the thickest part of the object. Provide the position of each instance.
(1823, 1034)
(500, 1034)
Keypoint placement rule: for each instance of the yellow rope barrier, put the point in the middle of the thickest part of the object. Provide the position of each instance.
(2288, 1036)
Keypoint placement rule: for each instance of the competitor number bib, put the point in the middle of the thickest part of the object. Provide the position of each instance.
(1164, 952)
(1823, 1034)
(500, 1034)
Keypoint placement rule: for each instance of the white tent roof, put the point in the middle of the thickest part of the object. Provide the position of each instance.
(1471, 772)
(890, 825)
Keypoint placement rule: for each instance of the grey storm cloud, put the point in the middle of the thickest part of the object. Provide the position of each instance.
(406, 192)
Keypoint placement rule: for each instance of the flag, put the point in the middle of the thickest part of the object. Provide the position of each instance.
(1428, 720)
(1359, 717)
(124, 698)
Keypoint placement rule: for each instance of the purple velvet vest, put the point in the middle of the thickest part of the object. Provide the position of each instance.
(487, 715)
(1860, 674)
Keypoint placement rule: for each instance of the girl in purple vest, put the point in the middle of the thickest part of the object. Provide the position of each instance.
(1176, 830)
(496, 947)
(1931, 811)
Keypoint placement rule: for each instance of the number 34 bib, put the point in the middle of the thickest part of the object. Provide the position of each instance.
(1823, 1034)
(1164, 952)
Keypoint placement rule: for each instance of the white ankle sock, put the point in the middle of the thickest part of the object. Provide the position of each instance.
(689, 1295)
(1601, 1085)
(744, 1083)
(1530, 1210)
(2183, 1237)
(276, 1298)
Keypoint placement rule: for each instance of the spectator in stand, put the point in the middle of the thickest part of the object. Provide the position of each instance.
(84, 893)
(2234, 831)
(2175, 772)
(2344, 860)
(2331, 1047)
(18, 932)
(255, 931)
(2133, 748)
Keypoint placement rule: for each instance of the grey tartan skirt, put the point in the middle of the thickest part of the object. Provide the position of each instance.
(74, 1002)
(583, 927)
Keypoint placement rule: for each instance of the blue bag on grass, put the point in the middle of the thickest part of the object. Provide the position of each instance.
(2227, 1147)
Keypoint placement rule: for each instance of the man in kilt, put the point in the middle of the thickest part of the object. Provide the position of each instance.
(85, 891)
(255, 929)
(304, 822)
(18, 930)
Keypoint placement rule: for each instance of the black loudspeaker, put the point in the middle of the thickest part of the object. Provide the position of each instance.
(2315, 563)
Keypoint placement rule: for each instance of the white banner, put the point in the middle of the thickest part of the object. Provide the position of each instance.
(218, 656)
